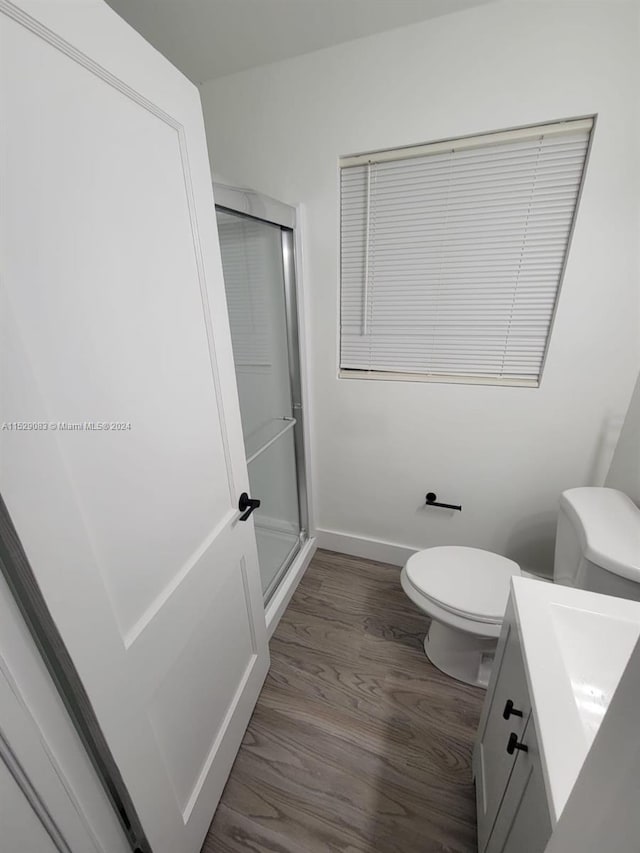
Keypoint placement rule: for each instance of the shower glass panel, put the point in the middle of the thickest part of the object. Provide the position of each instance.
(254, 274)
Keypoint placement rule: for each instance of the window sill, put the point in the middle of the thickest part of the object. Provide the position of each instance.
(384, 376)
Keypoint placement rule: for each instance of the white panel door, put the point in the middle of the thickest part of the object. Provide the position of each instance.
(113, 312)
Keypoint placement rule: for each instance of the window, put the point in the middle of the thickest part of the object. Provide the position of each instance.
(452, 254)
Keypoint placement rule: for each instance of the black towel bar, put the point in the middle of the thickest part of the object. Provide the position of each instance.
(432, 501)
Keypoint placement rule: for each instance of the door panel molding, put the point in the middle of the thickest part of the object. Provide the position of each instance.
(193, 563)
(37, 28)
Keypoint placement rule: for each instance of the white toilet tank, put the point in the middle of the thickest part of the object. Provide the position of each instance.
(598, 542)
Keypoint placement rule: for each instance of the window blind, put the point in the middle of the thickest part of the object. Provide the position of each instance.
(452, 254)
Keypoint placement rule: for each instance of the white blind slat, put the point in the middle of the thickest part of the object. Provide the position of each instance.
(451, 257)
(245, 263)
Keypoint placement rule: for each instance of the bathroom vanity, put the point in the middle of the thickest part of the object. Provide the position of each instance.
(559, 658)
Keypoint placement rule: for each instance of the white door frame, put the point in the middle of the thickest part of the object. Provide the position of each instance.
(39, 743)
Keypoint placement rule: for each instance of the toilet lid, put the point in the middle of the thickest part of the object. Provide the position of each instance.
(466, 581)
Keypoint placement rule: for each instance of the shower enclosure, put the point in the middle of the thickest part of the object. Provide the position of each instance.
(257, 247)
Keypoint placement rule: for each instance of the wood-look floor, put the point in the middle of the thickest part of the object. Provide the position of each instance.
(357, 743)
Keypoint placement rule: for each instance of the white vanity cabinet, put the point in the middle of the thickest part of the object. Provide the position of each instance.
(560, 656)
(513, 815)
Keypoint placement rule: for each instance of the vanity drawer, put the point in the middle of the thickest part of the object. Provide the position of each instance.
(523, 821)
(505, 715)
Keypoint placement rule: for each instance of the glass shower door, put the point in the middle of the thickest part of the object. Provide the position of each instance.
(252, 261)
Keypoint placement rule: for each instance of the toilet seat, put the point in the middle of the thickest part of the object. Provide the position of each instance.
(465, 592)
(468, 583)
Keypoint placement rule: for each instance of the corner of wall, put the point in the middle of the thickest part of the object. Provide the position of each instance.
(624, 472)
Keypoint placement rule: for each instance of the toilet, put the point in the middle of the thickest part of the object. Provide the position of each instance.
(598, 542)
(465, 590)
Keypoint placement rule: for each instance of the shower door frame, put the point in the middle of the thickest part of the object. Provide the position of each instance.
(261, 208)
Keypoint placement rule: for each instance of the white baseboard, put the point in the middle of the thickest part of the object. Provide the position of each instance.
(379, 549)
(361, 546)
(288, 585)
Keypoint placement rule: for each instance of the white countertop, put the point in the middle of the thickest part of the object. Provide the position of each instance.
(575, 645)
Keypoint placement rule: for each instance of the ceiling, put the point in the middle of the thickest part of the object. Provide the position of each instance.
(211, 38)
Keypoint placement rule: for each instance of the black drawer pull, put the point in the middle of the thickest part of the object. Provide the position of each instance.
(513, 744)
(510, 711)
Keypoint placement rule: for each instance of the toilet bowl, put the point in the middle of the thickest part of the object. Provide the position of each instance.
(464, 591)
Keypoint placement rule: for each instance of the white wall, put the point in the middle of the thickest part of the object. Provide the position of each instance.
(624, 473)
(504, 453)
